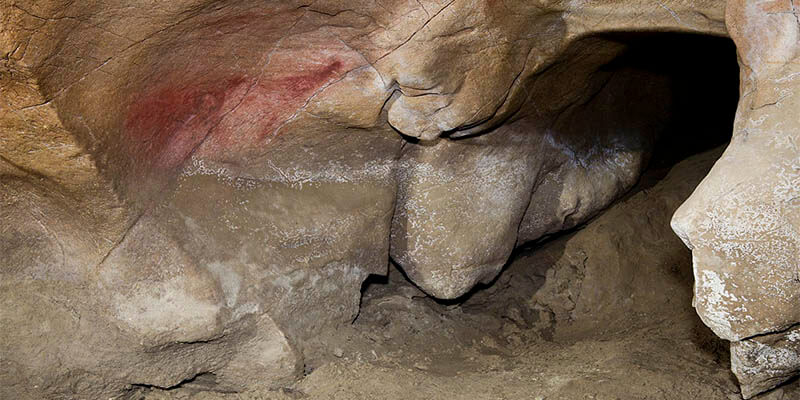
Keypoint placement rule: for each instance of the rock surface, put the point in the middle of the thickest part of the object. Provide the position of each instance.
(764, 362)
(196, 189)
(743, 222)
(464, 204)
(405, 345)
(601, 277)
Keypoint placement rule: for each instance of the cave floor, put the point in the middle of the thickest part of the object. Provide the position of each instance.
(456, 354)
(405, 346)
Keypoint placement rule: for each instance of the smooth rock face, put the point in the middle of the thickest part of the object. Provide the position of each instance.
(743, 222)
(458, 209)
(161, 276)
(194, 188)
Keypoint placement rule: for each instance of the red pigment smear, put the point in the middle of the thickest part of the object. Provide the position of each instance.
(165, 125)
(296, 85)
(266, 107)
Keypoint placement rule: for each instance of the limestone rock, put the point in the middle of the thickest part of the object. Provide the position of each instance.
(194, 188)
(222, 272)
(596, 149)
(464, 204)
(602, 278)
(459, 206)
(742, 222)
(764, 362)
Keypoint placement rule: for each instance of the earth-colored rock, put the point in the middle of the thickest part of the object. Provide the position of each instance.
(194, 189)
(633, 334)
(742, 224)
(764, 362)
(159, 275)
(464, 204)
(458, 208)
(600, 278)
(743, 221)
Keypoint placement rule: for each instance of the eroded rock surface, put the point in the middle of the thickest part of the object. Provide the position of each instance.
(463, 204)
(742, 222)
(624, 316)
(196, 188)
(764, 362)
(601, 278)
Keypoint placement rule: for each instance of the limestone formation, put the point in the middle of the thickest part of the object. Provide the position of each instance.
(601, 278)
(764, 362)
(743, 221)
(195, 188)
(463, 204)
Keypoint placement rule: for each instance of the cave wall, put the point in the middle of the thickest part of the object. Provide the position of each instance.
(197, 187)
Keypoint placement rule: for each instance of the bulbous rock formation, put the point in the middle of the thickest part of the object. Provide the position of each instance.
(199, 187)
(743, 221)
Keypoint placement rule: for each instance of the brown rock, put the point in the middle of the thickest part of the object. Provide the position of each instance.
(193, 187)
(742, 222)
(764, 362)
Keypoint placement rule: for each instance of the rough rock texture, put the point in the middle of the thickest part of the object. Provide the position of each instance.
(153, 276)
(405, 345)
(763, 362)
(601, 278)
(743, 222)
(464, 204)
(197, 188)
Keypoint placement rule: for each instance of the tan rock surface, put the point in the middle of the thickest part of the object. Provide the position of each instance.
(194, 186)
(743, 222)
(764, 362)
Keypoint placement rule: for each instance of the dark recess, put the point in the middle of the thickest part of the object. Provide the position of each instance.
(704, 76)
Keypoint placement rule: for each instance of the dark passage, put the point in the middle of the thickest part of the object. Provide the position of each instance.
(704, 80)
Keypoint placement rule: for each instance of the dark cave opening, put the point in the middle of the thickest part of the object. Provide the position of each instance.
(704, 80)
